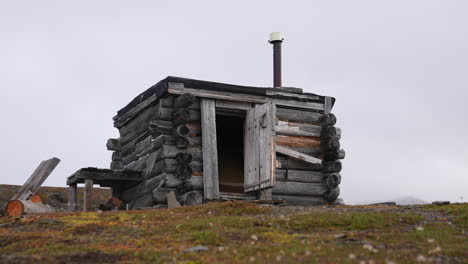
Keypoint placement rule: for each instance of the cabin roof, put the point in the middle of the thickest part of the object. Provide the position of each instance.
(160, 88)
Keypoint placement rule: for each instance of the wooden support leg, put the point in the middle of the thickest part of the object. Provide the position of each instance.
(72, 197)
(116, 190)
(265, 195)
(87, 194)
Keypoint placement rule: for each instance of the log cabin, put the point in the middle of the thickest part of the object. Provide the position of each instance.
(207, 141)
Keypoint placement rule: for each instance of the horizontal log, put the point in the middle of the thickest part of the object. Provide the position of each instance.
(330, 145)
(113, 144)
(160, 194)
(143, 144)
(299, 188)
(143, 201)
(181, 131)
(297, 129)
(298, 141)
(288, 163)
(332, 166)
(332, 180)
(331, 195)
(327, 120)
(297, 115)
(160, 127)
(183, 158)
(116, 165)
(183, 171)
(169, 166)
(122, 119)
(132, 157)
(171, 181)
(299, 176)
(21, 207)
(144, 187)
(334, 155)
(300, 200)
(195, 129)
(184, 100)
(330, 132)
(185, 115)
(191, 198)
(116, 156)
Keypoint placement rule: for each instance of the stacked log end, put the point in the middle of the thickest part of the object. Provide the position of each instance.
(332, 154)
(161, 139)
(312, 133)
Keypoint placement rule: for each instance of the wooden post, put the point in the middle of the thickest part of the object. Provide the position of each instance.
(88, 189)
(72, 197)
(210, 151)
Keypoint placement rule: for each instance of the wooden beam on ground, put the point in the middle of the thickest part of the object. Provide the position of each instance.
(297, 155)
(32, 185)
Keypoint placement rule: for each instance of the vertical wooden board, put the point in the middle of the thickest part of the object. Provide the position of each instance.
(209, 147)
(261, 146)
(249, 147)
(328, 105)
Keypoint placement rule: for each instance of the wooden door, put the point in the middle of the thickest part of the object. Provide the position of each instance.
(259, 148)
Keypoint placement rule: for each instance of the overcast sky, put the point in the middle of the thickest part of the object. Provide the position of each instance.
(399, 71)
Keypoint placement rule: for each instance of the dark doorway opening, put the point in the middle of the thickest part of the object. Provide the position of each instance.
(230, 143)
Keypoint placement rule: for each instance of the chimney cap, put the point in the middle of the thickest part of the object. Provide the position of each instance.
(276, 36)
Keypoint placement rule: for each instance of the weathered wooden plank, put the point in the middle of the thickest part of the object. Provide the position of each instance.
(297, 115)
(297, 155)
(87, 197)
(233, 105)
(218, 95)
(299, 188)
(297, 141)
(209, 147)
(297, 129)
(266, 118)
(34, 182)
(299, 176)
(293, 164)
(244, 98)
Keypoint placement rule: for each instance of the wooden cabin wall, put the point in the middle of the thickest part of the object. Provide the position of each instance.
(312, 133)
(162, 141)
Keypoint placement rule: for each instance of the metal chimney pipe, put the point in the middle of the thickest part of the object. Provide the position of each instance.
(276, 38)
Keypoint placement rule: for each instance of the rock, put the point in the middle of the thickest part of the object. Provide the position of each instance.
(384, 203)
(196, 249)
(441, 202)
(172, 201)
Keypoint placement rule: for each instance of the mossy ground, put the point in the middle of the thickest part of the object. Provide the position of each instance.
(237, 232)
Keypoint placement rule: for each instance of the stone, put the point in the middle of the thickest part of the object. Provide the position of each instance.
(172, 201)
(196, 249)
(441, 202)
